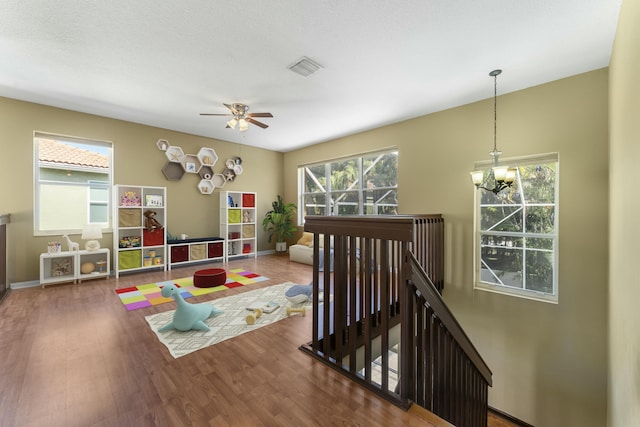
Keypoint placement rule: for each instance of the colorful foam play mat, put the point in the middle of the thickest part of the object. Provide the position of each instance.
(147, 295)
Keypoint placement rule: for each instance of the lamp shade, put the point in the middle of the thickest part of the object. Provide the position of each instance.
(232, 123)
(500, 172)
(477, 177)
(90, 233)
(243, 125)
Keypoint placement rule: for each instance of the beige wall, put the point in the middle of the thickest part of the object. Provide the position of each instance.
(549, 361)
(137, 161)
(624, 291)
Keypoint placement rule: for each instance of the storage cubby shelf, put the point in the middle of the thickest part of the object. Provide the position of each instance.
(238, 223)
(191, 251)
(135, 246)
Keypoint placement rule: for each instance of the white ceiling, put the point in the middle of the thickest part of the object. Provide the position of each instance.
(161, 63)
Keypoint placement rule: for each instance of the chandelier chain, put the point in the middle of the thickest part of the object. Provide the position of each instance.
(495, 111)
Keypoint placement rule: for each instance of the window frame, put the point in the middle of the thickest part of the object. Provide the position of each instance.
(531, 294)
(38, 182)
(356, 187)
(93, 185)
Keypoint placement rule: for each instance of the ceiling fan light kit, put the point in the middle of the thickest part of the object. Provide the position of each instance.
(241, 117)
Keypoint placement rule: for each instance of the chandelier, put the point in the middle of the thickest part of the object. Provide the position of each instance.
(500, 177)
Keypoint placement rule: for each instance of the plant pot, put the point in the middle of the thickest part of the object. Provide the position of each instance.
(281, 246)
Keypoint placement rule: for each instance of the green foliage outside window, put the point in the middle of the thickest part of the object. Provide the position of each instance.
(365, 185)
(518, 233)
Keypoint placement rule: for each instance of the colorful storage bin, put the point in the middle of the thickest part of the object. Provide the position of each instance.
(129, 259)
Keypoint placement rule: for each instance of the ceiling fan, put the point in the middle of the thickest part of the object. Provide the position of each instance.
(241, 117)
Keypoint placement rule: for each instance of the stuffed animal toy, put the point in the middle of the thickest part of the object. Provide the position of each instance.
(150, 222)
(187, 316)
(298, 294)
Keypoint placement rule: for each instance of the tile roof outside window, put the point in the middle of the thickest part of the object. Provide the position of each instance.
(56, 152)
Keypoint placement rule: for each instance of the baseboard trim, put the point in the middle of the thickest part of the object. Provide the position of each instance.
(35, 283)
(24, 285)
(509, 418)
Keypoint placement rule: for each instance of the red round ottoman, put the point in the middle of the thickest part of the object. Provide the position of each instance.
(209, 278)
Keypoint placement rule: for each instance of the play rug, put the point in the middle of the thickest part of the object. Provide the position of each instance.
(147, 295)
(229, 324)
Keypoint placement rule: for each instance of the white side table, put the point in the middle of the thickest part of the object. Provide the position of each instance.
(100, 264)
(67, 266)
(57, 268)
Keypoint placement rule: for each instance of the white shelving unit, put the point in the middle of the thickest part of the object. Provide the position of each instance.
(68, 266)
(135, 247)
(238, 223)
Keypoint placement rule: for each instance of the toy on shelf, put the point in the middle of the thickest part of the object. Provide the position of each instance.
(150, 222)
(187, 316)
(129, 242)
(73, 246)
(130, 198)
(54, 247)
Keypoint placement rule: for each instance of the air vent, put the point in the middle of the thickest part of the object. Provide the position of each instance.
(305, 66)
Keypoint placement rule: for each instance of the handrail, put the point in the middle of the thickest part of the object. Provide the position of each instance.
(429, 292)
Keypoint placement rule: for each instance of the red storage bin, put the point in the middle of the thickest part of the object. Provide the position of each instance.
(215, 250)
(179, 253)
(152, 238)
(248, 200)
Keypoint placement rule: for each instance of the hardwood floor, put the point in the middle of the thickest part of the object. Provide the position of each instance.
(73, 356)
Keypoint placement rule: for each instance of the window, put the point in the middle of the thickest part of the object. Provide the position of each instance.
(516, 238)
(72, 183)
(363, 185)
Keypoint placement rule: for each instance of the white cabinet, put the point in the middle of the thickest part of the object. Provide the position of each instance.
(139, 233)
(74, 266)
(238, 223)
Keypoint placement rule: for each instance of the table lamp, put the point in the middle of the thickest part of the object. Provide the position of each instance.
(90, 233)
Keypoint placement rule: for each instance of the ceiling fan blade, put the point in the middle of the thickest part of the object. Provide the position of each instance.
(257, 123)
(259, 115)
(210, 114)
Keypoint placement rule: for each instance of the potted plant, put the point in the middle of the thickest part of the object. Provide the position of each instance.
(279, 222)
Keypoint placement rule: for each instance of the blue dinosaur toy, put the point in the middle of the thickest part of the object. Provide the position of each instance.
(187, 316)
(298, 294)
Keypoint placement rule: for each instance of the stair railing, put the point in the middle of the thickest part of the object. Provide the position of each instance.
(450, 378)
(379, 319)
